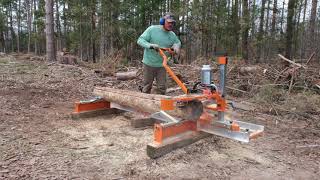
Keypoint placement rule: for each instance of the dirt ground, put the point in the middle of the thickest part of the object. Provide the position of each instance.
(39, 140)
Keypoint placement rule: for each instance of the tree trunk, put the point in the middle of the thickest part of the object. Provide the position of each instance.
(297, 29)
(267, 19)
(253, 18)
(245, 29)
(260, 35)
(12, 33)
(302, 41)
(290, 28)
(102, 32)
(50, 45)
(313, 23)
(267, 38)
(236, 26)
(35, 27)
(58, 26)
(2, 40)
(282, 17)
(19, 25)
(29, 4)
(80, 37)
(274, 18)
(65, 24)
(93, 30)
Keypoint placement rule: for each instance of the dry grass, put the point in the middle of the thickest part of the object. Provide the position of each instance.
(277, 101)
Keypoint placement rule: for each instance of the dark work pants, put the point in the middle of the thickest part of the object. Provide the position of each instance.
(151, 73)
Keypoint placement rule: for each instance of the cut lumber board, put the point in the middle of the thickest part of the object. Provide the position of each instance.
(185, 139)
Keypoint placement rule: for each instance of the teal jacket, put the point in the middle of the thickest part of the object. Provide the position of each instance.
(155, 34)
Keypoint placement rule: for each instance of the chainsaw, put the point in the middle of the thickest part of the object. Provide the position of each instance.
(205, 103)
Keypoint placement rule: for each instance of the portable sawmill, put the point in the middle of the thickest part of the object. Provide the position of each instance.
(201, 111)
(203, 101)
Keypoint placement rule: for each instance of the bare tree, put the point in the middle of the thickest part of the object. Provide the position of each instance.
(19, 25)
(290, 28)
(29, 5)
(245, 29)
(313, 23)
(51, 52)
(260, 34)
(58, 26)
(274, 17)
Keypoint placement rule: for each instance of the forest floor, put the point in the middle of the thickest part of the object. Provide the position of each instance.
(39, 139)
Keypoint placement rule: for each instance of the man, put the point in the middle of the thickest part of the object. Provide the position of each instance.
(153, 38)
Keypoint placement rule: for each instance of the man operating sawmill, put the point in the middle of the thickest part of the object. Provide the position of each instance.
(153, 38)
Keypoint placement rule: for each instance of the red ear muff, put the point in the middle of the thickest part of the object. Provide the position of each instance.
(162, 21)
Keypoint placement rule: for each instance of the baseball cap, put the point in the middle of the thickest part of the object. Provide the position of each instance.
(169, 17)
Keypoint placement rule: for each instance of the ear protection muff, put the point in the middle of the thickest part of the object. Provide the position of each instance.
(162, 21)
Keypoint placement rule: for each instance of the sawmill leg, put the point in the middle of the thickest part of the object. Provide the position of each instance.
(170, 137)
(93, 109)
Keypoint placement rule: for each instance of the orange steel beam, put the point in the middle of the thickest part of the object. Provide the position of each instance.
(222, 60)
(81, 107)
(163, 132)
(168, 104)
(168, 69)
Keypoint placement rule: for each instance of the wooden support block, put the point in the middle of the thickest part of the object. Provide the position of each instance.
(156, 150)
(94, 113)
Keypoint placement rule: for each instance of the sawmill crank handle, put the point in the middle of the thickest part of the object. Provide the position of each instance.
(169, 70)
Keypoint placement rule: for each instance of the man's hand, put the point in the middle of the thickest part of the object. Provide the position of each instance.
(176, 48)
(154, 46)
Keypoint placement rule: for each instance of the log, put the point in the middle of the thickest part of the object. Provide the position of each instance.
(310, 58)
(249, 69)
(146, 103)
(123, 76)
(288, 60)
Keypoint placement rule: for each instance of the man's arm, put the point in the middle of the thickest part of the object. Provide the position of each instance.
(176, 45)
(177, 42)
(145, 38)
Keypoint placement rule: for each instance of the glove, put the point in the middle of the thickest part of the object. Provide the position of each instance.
(154, 46)
(176, 48)
(170, 62)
